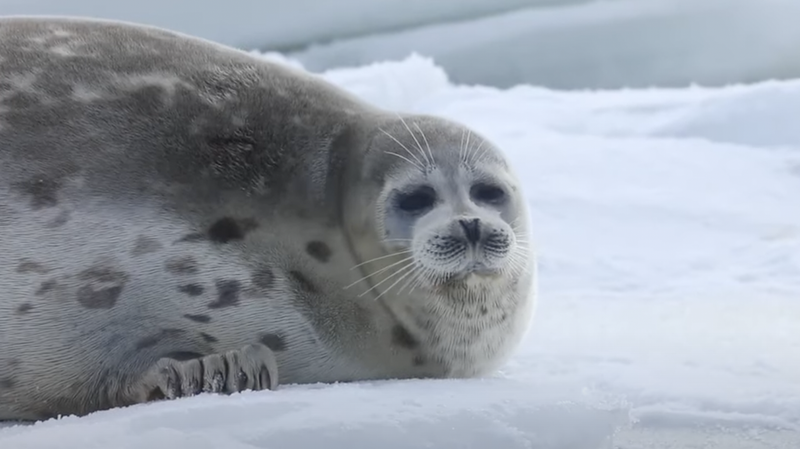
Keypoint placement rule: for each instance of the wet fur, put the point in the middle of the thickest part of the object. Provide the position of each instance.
(164, 196)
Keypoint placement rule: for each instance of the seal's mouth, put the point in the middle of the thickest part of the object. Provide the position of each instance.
(475, 269)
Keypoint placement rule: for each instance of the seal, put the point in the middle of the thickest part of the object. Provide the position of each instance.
(179, 217)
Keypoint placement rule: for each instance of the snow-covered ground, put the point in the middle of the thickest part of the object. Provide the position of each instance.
(668, 228)
(552, 43)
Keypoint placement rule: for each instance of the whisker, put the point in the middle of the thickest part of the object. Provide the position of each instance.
(478, 150)
(426, 143)
(465, 138)
(410, 281)
(478, 157)
(429, 274)
(412, 265)
(524, 248)
(414, 281)
(405, 251)
(462, 155)
(473, 153)
(379, 271)
(406, 159)
(404, 147)
(421, 151)
(514, 266)
(398, 271)
(516, 261)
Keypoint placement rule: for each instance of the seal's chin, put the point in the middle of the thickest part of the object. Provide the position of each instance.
(476, 270)
(473, 273)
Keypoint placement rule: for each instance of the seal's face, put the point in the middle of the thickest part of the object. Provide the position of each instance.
(454, 212)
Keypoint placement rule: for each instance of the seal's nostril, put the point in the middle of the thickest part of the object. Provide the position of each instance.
(472, 229)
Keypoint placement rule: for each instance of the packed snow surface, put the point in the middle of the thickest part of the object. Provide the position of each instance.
(667, 224)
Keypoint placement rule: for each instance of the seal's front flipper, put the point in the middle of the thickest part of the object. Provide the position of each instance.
(250, 368)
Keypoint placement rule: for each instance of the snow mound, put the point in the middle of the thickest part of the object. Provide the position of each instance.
(762, 116)
(388, 414)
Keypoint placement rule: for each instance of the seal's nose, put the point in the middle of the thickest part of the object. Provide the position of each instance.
(472, 229)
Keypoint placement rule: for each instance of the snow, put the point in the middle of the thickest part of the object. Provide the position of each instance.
(669, 248)
(553, 43)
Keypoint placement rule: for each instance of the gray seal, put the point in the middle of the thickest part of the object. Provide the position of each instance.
(179, 217)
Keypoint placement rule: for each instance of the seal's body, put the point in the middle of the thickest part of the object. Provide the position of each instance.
(180, 217)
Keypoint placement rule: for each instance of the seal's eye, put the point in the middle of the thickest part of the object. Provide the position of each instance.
(417, 200)
(487, 193)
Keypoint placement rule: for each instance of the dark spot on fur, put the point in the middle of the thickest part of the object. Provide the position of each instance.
(418, 360)
(401, 337)
(208, 338)
(43, 191)
(274, 342)
(183, 356)
(262, 278)
(28, 266)
(103, 287)
(24, 308)
(145, 245)
(153, 340)
(182, 265)
(227, 229)
(227, 294)
(319, 250)
(7, 383)
(198, 318)
(484, 310)
(192, 289)
(302, 281)
(46, 286)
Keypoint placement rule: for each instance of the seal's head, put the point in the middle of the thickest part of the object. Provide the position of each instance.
(449, 213)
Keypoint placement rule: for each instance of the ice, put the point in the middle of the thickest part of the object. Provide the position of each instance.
(608, 44)
(667, 224)
(555, 43)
